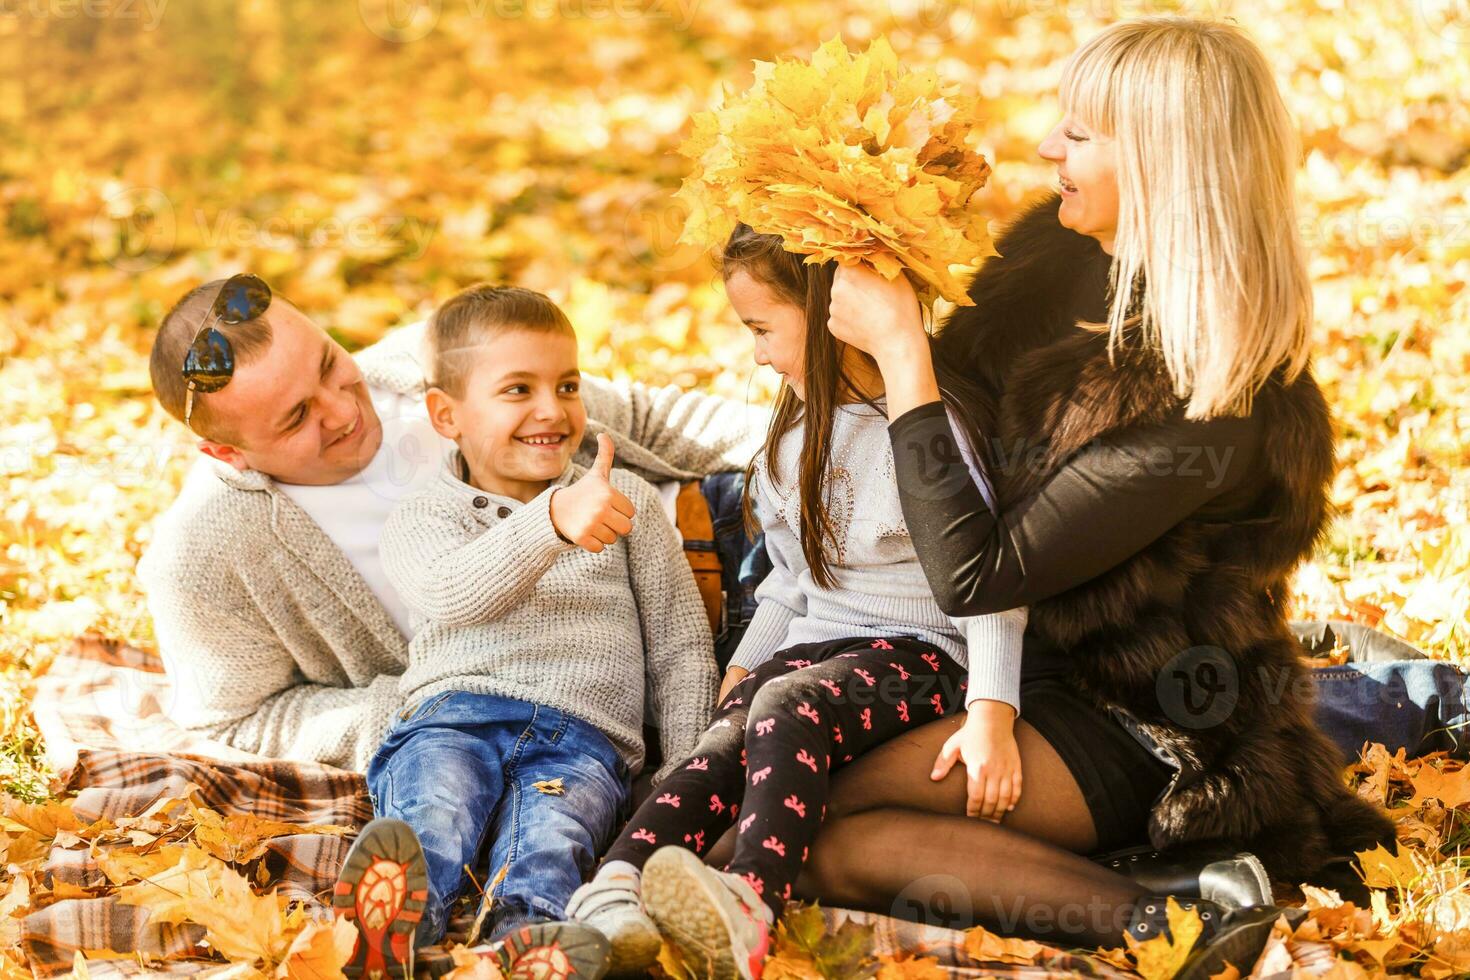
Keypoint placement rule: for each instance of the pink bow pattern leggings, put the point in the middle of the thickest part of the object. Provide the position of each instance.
(765, 761)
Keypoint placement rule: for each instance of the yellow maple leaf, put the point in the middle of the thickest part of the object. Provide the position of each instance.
(791, 964)
(1450, 788)
(472, 966)
(200, 888)
(240, 925)
(168, 893)
(17, 896)
(46, 819)
(1385, 869)
(240, 837)
(910, 968)
(123, 867)
(846, 157)
(1161, 957)
(319, 951)
(985, 946)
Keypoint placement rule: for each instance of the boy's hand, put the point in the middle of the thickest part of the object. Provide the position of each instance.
(591, 513)
(733, 676)
(987, 744)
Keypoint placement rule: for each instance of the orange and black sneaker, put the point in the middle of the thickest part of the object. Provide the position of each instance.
(553, 951)
(383, 888)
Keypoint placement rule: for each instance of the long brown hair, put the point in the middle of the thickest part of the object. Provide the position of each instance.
(826, 381)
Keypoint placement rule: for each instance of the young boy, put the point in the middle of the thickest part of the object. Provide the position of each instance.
(544, 597)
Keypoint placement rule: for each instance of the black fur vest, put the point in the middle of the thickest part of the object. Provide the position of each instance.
(1189, 635)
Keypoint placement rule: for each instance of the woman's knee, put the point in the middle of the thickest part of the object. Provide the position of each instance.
(831, 875)
(852, 794)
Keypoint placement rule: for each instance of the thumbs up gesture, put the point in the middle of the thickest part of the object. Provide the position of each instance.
(591, 513)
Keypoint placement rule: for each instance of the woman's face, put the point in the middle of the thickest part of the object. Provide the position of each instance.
(779, 327)
(1087, 177)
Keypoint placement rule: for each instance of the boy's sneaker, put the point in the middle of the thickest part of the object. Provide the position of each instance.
(610, 904)
(383, 888)
(715, 919)
(553, 951)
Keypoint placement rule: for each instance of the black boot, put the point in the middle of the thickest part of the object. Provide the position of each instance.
(1235, 936)
(1230, 878)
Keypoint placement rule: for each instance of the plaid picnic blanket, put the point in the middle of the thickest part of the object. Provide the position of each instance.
(101, 701)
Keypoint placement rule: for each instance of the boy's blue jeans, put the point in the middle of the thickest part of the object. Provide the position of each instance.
(539, 790)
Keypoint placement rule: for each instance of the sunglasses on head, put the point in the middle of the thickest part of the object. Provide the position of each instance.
(210, 363)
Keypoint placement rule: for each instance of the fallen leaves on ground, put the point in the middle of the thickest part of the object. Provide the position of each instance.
(183, 863)
(1164, 955)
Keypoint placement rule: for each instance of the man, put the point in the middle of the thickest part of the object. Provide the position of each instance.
(278, 629)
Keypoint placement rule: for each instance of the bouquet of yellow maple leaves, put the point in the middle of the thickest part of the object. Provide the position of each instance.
(847, 157)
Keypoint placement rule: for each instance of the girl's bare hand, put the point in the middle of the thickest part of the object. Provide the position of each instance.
(986, 744)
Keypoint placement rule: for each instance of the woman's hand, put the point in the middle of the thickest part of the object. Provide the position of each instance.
(882, 318)
(733, 676)
(987, 745)
(876, 315)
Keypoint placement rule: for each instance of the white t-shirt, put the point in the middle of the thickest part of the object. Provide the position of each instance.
(352, 513)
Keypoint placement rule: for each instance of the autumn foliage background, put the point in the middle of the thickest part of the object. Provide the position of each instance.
(369, 159)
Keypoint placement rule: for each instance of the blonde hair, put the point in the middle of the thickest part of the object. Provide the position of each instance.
(1208, 259)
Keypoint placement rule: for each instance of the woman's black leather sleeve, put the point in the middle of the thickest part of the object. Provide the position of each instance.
(1104, 505)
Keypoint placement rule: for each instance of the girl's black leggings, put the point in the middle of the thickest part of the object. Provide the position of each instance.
(766, 759)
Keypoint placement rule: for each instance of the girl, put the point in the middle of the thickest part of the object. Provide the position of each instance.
(846, 650)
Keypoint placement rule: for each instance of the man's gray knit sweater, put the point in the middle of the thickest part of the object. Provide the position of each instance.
(502, 605)
(880, 586)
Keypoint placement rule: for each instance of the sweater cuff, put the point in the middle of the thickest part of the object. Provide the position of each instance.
(764, 636)
(532, 530)
(914, 416)
(994, 643)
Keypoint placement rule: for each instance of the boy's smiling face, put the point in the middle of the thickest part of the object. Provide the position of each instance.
(521, 417)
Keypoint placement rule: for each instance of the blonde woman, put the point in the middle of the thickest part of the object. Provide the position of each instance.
(1139, 352)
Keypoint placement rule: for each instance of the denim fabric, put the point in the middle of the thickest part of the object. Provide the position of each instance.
(743, 561)
(1387, 692)
(462, 770)
(1418, 705)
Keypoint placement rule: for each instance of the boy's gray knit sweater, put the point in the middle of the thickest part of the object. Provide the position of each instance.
(501, 605)
(880, 586)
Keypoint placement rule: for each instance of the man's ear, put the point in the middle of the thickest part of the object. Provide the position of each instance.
(223, 453)
(442, 408)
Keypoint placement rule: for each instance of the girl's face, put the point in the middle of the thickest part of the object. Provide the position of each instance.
(1087, 175)
(779, 327)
